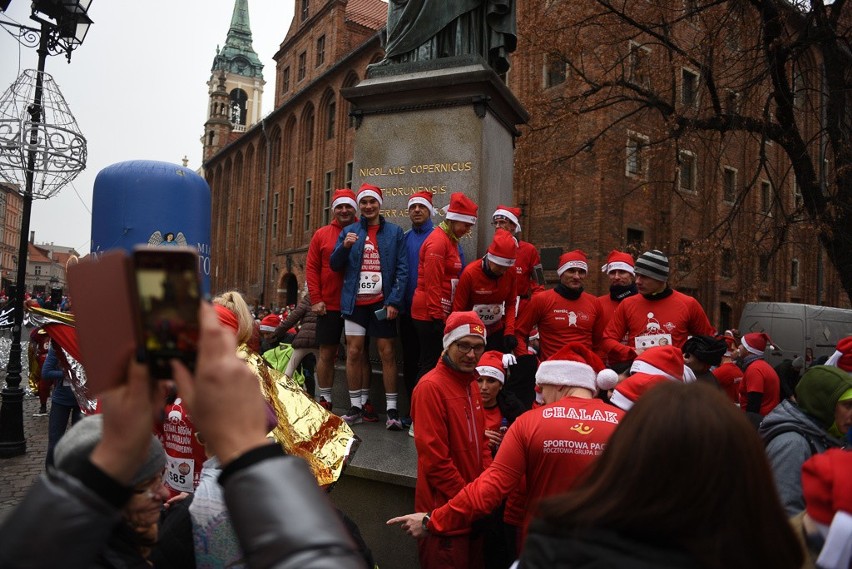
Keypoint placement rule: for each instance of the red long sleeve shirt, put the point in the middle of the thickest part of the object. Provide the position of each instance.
(324, 284)
(450, 436)
(526, 283)
(559, 321)
(670, 319)
(492, 299)
(437, 275)
(552, 445)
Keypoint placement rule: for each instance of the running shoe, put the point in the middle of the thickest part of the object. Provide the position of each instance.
(369, 414)
(354, 416)
(393, 423)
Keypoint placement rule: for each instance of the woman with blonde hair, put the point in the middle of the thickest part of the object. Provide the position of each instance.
(233, 300)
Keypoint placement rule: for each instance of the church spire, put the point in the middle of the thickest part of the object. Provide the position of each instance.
(238, 55)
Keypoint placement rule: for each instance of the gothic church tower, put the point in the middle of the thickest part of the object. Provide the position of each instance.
(235, 87)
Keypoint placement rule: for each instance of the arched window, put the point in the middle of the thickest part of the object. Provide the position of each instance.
(237, 113)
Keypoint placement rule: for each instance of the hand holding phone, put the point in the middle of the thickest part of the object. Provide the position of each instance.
(382, 313)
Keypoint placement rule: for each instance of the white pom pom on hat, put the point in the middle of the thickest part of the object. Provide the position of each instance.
(576, 365)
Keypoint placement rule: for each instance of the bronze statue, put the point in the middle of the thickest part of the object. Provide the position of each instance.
(419, 30)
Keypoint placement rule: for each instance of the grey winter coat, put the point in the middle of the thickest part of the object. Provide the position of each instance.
(306, 337)
(791, 438)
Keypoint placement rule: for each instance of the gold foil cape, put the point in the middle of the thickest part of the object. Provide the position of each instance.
(305, 428)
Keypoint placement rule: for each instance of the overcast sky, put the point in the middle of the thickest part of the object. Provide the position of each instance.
(138, 88)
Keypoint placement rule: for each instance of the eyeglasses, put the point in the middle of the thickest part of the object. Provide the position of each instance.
(466, 347)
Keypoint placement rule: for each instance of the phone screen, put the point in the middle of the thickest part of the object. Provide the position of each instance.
(168, 294)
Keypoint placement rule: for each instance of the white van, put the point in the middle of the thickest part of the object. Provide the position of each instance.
(803, 330)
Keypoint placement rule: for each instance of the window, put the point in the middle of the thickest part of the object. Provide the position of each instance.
(729, 184)
(635, 240)
(794, 273)
(763, 268)
(320, 50)
(639, 65)
(261, 222)
(303, 58)
(331, 120)
(688, 87)
(684, 261)
(686, 181)
(727, 268)
(309, 131)
(285, 79)
(304, 10)
(349, 171)
(636, 155)
(732, 102)
(554, 71)
(326, 197)
(275, 214)
(308, 191)
(766, 197)
(37, 270)
(291, 203)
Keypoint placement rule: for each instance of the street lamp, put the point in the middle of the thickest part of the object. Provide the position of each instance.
(42, 142)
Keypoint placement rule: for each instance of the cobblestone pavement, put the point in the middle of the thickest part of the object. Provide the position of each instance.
(17, 474)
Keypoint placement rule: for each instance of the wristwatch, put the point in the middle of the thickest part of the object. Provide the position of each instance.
(425, 521)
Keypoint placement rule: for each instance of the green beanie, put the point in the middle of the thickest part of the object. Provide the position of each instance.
(819, 390)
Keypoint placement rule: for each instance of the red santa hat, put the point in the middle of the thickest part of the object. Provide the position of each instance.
(731, 343)
(269, 323)
(828, 501)
(575, 259)
(513, 214)
(503, 248)
(756, 342)
(370, 191)
(344, 196)
(493, 364)
(461, 324)
(618, 261)
(461, 208)
(422, 198)
(576, 365)
(631, 389)
(842, 357)
(660, 360)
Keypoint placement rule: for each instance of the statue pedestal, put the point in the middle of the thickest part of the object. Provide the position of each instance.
(437, 128)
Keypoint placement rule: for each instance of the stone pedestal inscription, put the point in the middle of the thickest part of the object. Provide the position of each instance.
(443, 131)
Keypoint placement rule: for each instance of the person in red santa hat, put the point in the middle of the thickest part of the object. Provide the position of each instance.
(619, 269)
(760, 388)
(563, 314)
(325, 287)
(825, 527)
(371, 255)
(842, 356)
(529, 275)
(728, 374)
(438, 270)
(452, 449)
(552, 446)
(488, 288)
(652, 367)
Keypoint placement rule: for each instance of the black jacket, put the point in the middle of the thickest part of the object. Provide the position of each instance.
(550, 547)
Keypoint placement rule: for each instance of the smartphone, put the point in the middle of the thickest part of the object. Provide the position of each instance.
(168, 295)
(382, 313)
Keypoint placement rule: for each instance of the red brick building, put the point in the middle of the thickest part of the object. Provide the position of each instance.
(628, 188)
